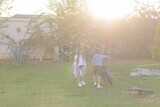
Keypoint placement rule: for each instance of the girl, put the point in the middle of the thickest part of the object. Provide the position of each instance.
(79, 65)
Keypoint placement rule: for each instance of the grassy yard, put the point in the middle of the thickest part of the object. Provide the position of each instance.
(53, 85)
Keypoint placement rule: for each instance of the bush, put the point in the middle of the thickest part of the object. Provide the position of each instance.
(156, 45)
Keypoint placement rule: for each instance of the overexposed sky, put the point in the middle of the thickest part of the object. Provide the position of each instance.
(110, 9)
(29, 7)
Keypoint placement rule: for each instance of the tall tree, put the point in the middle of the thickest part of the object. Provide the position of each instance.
(5, 6)
(141, 28)
(147, 9)
(156, 44)
(71, 20)
(41, 29)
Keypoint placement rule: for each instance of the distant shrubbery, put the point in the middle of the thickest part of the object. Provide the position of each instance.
(156, 45)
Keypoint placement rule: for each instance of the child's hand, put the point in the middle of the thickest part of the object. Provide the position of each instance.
(109, 58)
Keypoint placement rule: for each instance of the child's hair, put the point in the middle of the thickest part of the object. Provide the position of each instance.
(97, 51)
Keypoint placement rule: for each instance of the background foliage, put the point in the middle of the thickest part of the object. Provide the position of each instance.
(132, 36)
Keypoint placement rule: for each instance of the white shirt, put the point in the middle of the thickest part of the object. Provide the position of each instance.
(81, 60)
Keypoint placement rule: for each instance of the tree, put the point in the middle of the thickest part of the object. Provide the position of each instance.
(5, 6)
(71, 20)
(135, 38)
(41, 29)
(133, 35)
(156, 44)
(147, 9)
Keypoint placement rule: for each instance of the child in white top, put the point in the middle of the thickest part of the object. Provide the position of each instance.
(79, 66)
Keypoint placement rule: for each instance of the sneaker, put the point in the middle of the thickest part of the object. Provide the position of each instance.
(99, 86)
(83, 83)
(80, 85)
(95, 84)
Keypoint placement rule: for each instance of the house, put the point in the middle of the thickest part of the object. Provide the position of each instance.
(16, 27)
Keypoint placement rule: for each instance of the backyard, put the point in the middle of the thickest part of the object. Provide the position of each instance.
(53, 85)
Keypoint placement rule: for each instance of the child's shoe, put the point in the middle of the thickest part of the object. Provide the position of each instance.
(95, 84)
(80, 85)
(99, 86)
(83, 83)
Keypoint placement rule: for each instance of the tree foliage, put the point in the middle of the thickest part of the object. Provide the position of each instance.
(41, 29)
(72, 21)
(156, 44)
(147, 9)
(5, 6)
(131, 36)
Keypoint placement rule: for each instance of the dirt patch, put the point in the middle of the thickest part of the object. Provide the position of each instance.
(150, 99)
(147, 98)
(145, 72)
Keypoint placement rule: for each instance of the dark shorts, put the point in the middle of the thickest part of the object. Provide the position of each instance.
(81, 67)
(97, 69)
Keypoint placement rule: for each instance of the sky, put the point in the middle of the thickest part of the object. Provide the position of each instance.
(110, 9)
(29, 7)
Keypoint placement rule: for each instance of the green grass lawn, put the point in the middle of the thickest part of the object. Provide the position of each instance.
(53, 85)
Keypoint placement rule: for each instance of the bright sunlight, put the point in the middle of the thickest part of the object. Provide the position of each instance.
(105, 9)
(110, 9)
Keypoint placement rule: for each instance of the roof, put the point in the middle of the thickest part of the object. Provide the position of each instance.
(29, 16)
(23, 16)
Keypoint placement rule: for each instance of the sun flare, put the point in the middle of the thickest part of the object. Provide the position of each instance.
(110, 9)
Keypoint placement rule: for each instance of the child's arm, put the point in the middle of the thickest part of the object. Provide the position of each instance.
(93, 60)
(106, 56)
(74, 62)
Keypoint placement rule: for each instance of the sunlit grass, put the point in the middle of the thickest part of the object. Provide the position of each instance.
(54, 86)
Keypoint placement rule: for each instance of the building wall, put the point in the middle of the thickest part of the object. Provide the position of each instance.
(16, 29)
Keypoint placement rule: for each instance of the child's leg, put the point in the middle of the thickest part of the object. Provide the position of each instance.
(83, 76)
(78, 75)
(95, 74)
(99, 78)
(83, 73)
(94, 77)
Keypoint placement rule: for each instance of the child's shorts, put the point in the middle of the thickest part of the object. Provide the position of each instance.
(97, 69)
(75, 72)
(81, 66)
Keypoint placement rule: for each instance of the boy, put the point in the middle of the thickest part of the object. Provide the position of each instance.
(97, 67)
